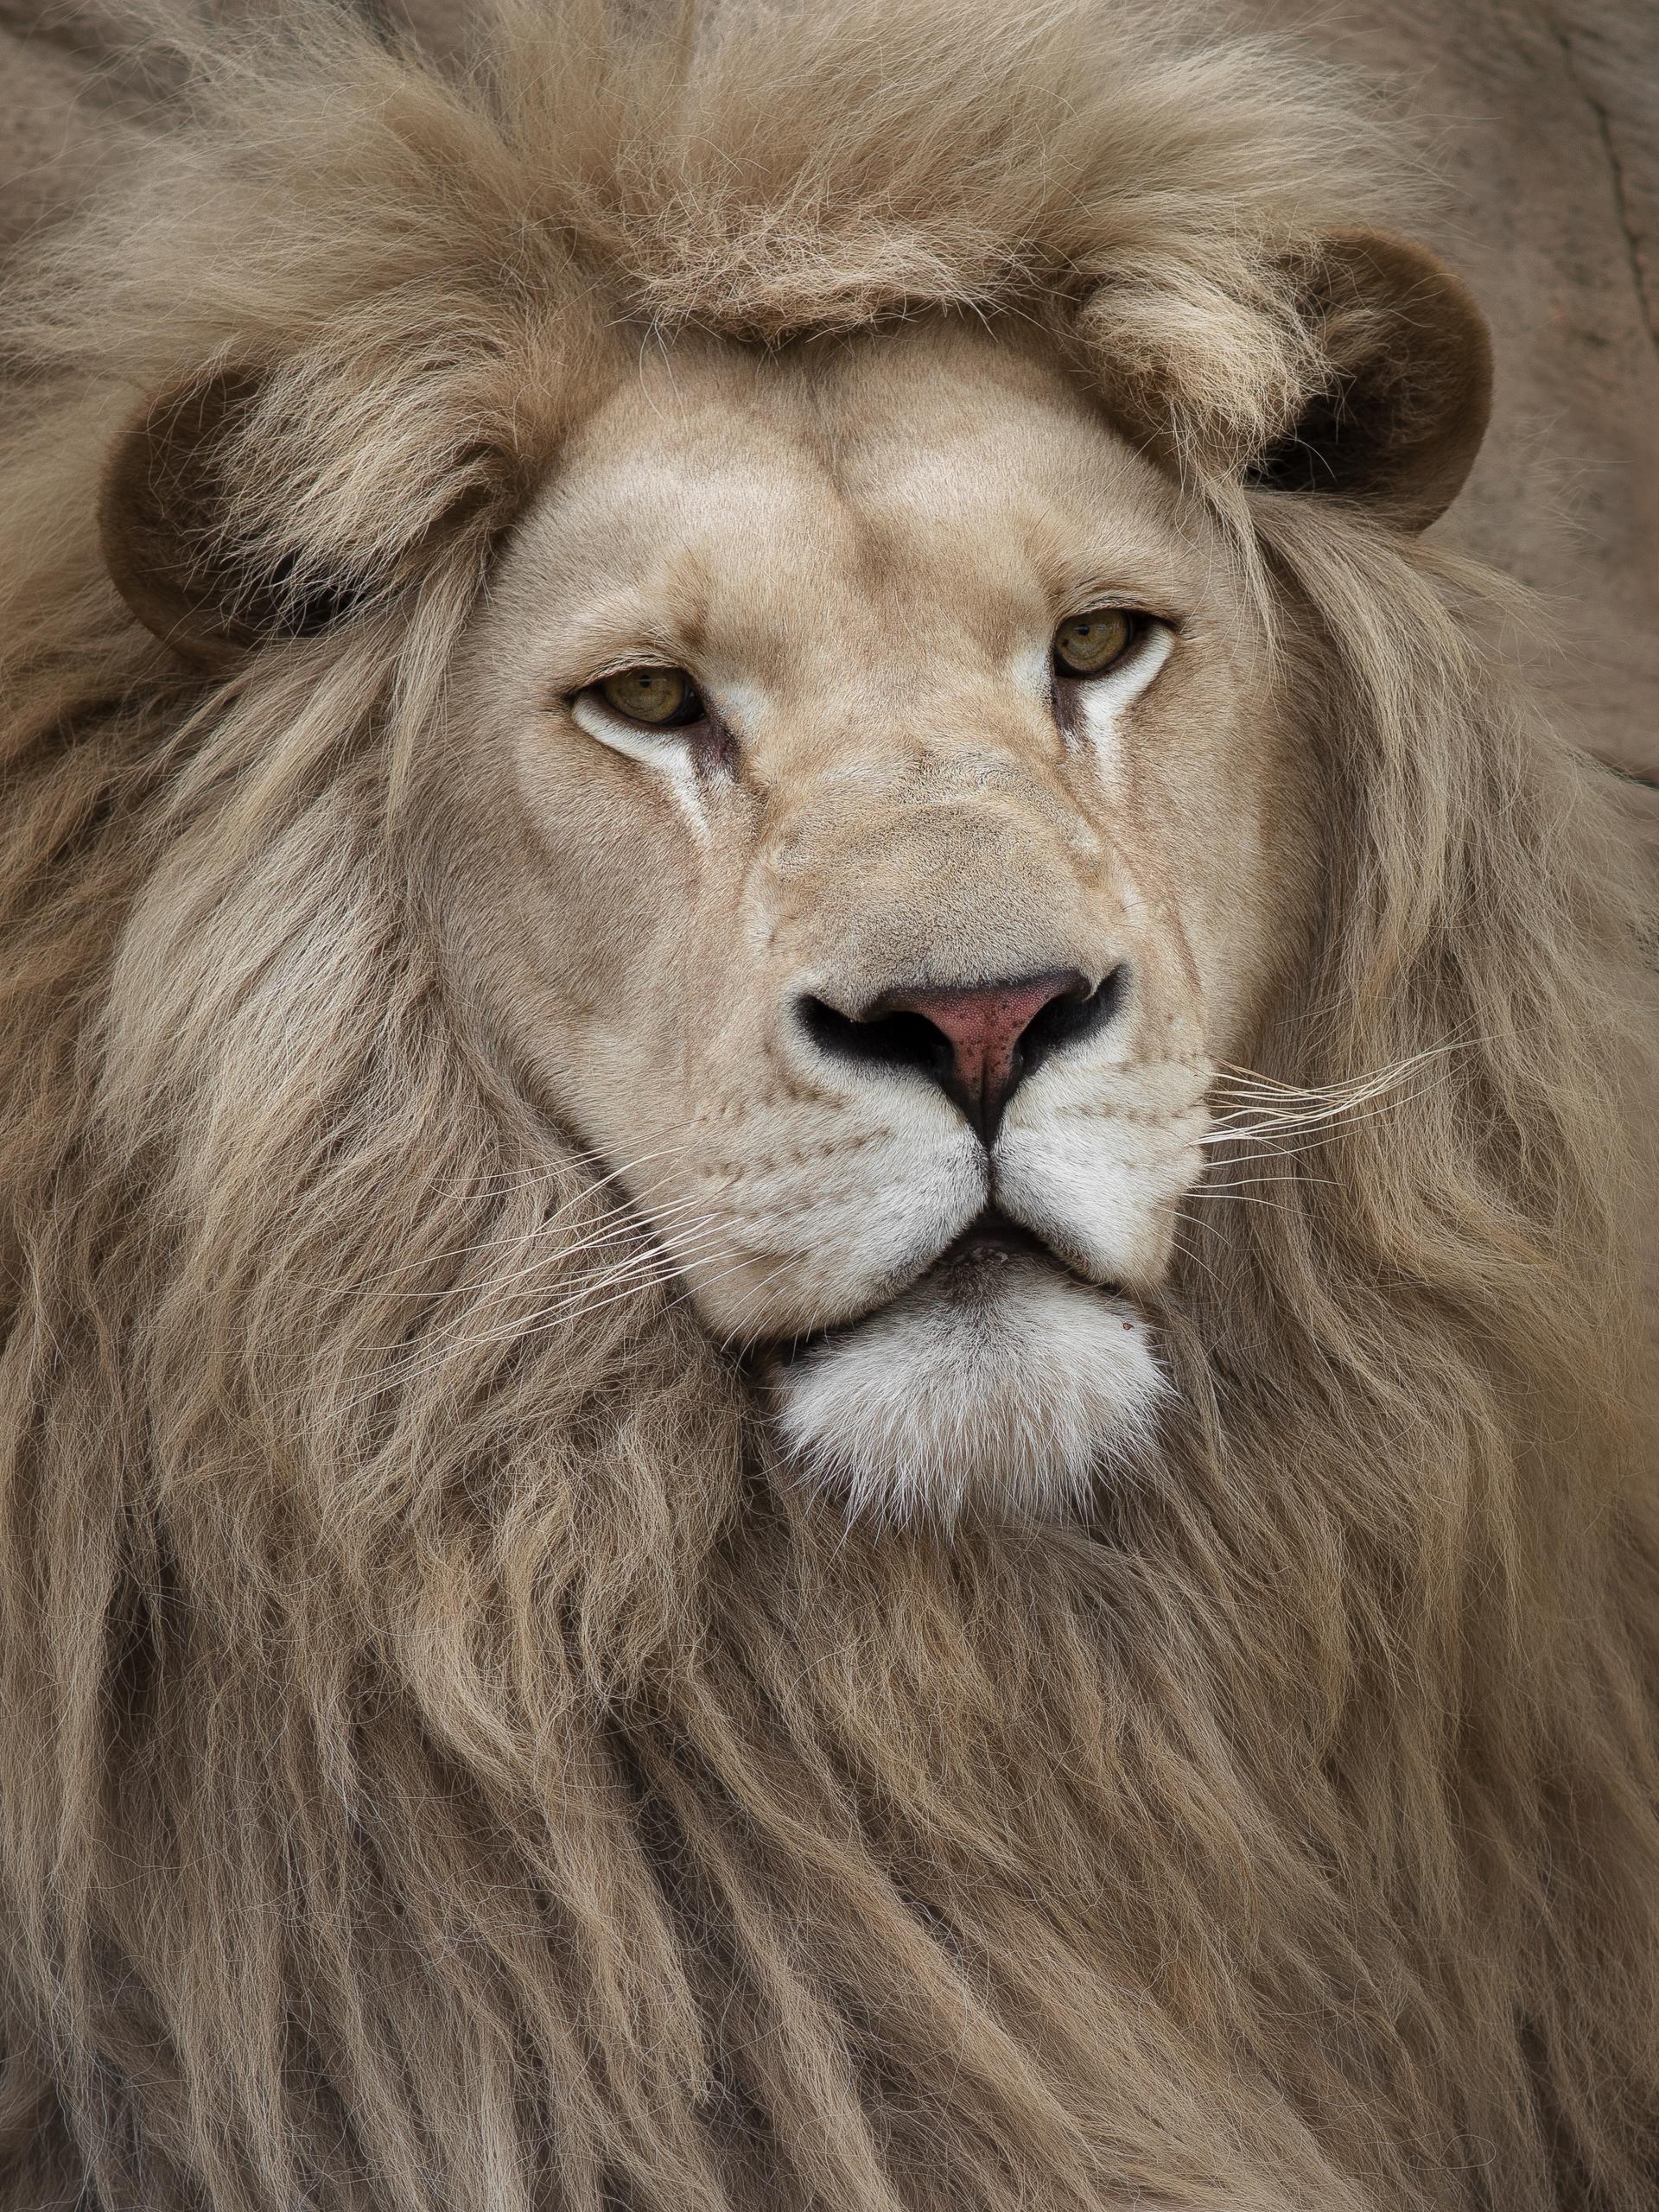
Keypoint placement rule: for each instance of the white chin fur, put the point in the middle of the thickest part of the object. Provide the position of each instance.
(1003, 1389)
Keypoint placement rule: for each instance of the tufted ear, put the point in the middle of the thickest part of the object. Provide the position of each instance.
(168, 491)
(1397, 422)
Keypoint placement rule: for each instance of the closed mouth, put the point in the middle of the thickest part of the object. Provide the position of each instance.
(969, 1266)
(992, 1240)
(994, 1237)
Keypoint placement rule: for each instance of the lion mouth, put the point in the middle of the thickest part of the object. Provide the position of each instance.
(975, 1268)
(1000, 1372)
(992, 1239)
(993, 1242)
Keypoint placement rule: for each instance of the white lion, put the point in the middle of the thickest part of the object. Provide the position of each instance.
(818, 1347)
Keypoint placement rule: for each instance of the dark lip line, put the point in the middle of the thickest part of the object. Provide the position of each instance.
(994, 1229)
(991, 1231)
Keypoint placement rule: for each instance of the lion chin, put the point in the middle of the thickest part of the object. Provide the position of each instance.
(1000, 1382)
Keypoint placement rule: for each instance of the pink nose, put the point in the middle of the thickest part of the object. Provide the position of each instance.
(977, 1041)
(984, 1027)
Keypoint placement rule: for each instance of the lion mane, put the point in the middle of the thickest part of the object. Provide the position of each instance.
(445, 1761)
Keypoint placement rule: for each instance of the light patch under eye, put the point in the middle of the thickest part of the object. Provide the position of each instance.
(661, 698)
(1090, 643)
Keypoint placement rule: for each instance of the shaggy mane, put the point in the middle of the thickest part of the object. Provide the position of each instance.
(446, 1762)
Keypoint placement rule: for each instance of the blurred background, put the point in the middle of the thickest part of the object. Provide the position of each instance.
(1541, 119)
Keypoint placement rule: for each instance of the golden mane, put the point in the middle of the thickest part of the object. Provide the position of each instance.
(445, 1763)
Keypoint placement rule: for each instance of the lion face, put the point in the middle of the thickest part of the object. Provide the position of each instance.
(867, 828)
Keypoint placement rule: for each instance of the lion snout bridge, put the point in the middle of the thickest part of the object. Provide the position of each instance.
(977, 1041)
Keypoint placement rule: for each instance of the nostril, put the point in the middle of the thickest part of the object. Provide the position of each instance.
(899, 1039)
(977, 1042)
(1072, 1018)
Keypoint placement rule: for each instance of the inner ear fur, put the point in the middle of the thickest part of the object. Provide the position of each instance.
(167, 489)
(1398, 423)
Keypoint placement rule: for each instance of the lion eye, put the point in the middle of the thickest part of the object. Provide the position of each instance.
(1090, 643)
(662, 698)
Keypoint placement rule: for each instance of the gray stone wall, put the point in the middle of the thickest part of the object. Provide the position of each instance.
(1541, 119)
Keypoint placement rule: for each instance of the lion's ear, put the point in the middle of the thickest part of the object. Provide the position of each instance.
(1401, 414)
(167, 520)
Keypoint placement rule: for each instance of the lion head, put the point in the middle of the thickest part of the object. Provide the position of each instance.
(827, 812)
(829, 792)
(820, 1342)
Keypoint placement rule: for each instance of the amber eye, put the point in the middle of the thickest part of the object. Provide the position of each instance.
(662, 698)
(1090, 643)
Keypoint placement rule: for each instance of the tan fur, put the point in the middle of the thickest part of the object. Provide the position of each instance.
(862, 549)
(449, 1759)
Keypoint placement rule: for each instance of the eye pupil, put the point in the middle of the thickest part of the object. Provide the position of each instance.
(662, 699)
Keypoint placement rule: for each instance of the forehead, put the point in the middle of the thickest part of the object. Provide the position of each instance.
(949, 474)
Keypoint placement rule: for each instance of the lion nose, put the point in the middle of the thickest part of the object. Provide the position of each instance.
(977, 1041)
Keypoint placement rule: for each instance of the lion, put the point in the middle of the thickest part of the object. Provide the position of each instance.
(821, 1378)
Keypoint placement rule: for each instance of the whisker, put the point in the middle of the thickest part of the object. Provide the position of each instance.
(1243, 1182)
(1234, 1072)
(1278, 1091)
(671, 1272)
(649, 1262)
(1275, 1103)
(579, 1199)
(737, 1336)
(650, 1259)
(1274, 1115)
(1243, 1198)
(1327, 1120)
(1186, 1252)
(634, 1274)
(491, 1289)
(1264, 1151)
(624, 1226)
(771, 1276)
